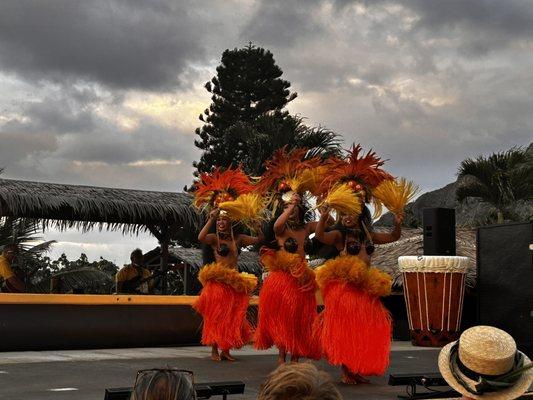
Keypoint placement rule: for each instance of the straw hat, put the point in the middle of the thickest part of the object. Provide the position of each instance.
(486, 351)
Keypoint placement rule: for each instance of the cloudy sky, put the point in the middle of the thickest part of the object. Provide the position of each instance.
(109, 92)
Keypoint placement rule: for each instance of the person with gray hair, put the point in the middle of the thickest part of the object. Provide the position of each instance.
(164, 384)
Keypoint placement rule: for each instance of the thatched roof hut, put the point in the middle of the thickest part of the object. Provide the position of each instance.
(86, 206)
(411, 244)
(248, 260)
(163, 214)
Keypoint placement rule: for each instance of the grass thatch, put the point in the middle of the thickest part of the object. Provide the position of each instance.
(248, 260)
(86, 207)
(411, 244)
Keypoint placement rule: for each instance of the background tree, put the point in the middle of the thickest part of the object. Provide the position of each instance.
(246, 120)
(500, 179)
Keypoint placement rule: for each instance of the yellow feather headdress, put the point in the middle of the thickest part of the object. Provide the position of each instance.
(395, 194)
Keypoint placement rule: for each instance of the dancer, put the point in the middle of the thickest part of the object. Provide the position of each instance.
(287, 302)
(223, 302)
(355, 328)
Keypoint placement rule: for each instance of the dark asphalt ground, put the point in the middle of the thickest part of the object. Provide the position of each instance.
(29, 381)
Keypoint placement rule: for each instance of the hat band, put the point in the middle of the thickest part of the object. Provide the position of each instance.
(486, 383)
(475, 376)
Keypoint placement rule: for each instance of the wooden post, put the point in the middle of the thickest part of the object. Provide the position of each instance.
(164, 243)
(162, 234)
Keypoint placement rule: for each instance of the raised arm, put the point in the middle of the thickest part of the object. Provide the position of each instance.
(281, 222)
(247, 240)
(328, 238)
(388, 237)
(312, 226)
(204, 236)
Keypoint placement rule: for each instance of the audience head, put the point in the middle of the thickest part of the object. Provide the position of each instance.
(164, 384)
(10, 252)
(485, 364)
(302, 381)
(137, 257)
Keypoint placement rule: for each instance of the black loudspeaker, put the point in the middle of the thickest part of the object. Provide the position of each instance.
(439, 231)
(505, 280)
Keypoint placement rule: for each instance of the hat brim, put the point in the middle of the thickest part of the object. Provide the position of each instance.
(517, 390)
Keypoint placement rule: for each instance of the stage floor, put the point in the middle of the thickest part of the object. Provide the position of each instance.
(85, 374)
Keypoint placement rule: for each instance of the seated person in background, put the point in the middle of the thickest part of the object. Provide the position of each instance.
(134, 278)
(12, 283)
(298, 381)
(163, 384)
(485, 364)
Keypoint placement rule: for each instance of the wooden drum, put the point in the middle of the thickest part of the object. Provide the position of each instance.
(434, 289)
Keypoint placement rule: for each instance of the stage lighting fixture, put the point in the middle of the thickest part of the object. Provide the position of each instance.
(426, 380)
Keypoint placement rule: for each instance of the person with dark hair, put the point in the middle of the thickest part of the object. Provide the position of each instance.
(224, 299)
(296, 381)
(287, 302)
(164, 384)
(134, 278)
(355, 328)
(12, 283)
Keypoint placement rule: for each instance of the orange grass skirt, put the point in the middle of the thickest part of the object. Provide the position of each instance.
(223, 304)
(355, 328)
(287, 305)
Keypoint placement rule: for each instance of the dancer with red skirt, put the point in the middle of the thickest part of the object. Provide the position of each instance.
(223, 302)
(355, 328)
(287, 301)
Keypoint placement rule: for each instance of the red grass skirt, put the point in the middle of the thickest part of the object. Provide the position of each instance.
(355, 328)
(224, 308)
(287, 310)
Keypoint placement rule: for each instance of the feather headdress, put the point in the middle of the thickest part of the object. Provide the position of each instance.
(285, 172)
(247, 209)
(360, 171)
(343, 200)
(395, 194)
(220, 186)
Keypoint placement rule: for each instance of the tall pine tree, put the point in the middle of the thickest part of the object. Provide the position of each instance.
(248, 85)
(245, 122)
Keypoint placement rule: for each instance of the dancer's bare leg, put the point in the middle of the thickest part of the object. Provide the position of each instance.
(281, 356)
(294, 358)
(225, 355)
(214, 353)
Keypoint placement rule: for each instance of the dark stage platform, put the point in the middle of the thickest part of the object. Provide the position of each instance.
(84, 374)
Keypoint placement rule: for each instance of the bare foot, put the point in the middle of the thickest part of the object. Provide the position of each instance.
(361, 379)
(281, 357)
(214, 354)
(348, 377)
(225, 355)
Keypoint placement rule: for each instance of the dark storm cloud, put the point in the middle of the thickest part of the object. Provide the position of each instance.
(122, 44)
(283, 23)
(66, 109)
(148, 142)
(479, 26)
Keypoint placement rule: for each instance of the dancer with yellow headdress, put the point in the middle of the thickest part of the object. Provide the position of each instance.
(223, 303)
(287, 302)
(355, 328)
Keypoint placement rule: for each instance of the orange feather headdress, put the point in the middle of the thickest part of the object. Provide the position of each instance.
(220, 186)
(232, 192)
(290, 171)
(360, 171)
